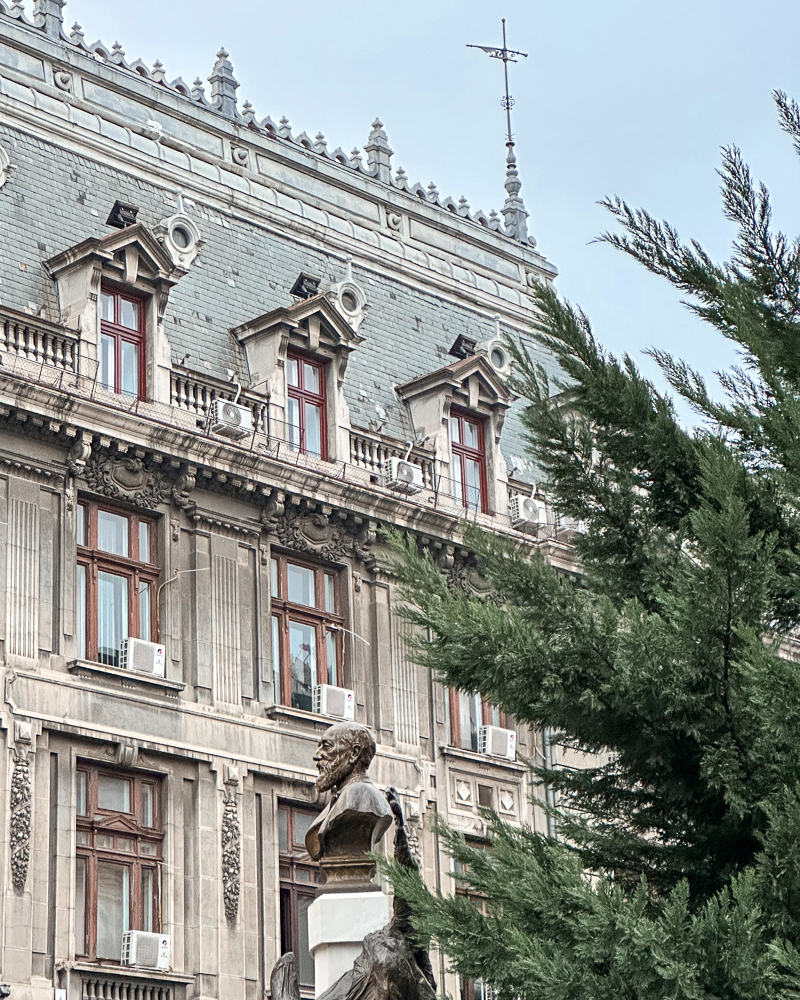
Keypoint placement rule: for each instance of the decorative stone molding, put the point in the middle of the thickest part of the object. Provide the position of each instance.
(34, 473)
(231, 860)
(63, 81)
(333, 535)
(78, 455)
(5, 166)
(128, 478)
(350, 298)
(20, 827)
(180, 237)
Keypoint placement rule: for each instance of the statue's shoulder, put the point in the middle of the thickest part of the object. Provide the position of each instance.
(363, 796)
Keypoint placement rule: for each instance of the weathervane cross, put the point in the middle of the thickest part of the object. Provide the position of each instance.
(507, 55)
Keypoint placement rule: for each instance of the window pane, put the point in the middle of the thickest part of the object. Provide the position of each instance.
(494, 712)
(455, 433)
(113, 908)
(300, 584)
(469, 716)
(108, 307)
(113, 793)
(83, 837)
(151, 850)
(292, 371)
(458, 488)
(303, 665)
(106, 373)
(80, 906)
(80, 793)
(144, 610)
(129, 314)
(148, 897)
(330, 655)
(273, 577)
(473, 482)
(112, 533)
(310, 377)
(293, 411)
(112, 616)
(330, 592)
(148, 817)
(302, 824)
(105, 841)
(313, 429)
(129, 360)
(276, 658)
(124, 844)
(471, 434)
(80, 616)
(305, 963)
(80, 525)
(283, 829)
(144, 542)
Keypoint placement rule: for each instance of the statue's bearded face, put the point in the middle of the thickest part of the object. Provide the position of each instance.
(337, 756)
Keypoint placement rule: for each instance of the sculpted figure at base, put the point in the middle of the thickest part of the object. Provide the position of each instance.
(357, 814)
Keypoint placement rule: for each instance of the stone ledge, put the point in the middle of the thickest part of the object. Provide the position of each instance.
(473, 757)
(284, 713)
(130, 972)
(173, 688)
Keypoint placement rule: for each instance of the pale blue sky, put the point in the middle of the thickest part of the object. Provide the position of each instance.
(615, 97)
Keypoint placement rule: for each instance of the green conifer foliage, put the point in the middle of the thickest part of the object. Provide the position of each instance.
(677, 869)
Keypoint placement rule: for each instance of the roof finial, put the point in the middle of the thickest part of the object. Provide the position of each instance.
(379, 153)
(224, 86)
(514, 208)
(48, 15)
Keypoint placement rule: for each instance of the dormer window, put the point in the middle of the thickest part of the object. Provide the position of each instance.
(468, 448)
(122, 340)
(305, 405)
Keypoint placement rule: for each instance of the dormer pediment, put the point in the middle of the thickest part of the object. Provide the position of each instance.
(471, 383)
(313, 324)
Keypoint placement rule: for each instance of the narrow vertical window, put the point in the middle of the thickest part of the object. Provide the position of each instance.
(469, 461)
(298, 885)
(121, 360)
(305, 406)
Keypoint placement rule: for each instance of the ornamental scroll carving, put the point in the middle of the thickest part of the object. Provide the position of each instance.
(460, 568)
(128, 478)
(332, 534)
(231, 860)
(20, 833)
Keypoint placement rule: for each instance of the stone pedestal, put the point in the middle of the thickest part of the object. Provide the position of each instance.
(337, 925)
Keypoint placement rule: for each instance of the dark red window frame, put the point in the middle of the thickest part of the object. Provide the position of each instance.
(128, 827)
(319, 618)
(121, 333)
(95, 560)
(299, 885)
(463, 452)
(304, 395)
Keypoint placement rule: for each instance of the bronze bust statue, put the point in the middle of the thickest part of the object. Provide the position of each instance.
(357, 814)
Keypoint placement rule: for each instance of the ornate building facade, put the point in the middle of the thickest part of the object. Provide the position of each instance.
(228, 356)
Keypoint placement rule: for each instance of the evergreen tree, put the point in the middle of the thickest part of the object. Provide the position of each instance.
(677, 869)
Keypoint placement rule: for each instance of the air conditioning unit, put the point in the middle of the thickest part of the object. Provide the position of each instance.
(496, 742)
(403, 476)
(149, 951)
(146, 657)
(339, 703)
(229, 419)
(526, 513)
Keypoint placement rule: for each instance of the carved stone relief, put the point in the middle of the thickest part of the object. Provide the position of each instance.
(333, 535)
(20, 832)
(231, 860)
(128, 478)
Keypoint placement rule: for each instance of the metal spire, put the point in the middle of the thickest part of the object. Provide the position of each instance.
(514, 209)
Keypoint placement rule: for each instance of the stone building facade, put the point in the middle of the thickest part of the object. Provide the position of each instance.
(209, 406)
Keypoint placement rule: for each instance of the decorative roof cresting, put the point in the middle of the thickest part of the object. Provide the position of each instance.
(48, 17)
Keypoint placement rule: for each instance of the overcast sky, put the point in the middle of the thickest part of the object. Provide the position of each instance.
(616, 97)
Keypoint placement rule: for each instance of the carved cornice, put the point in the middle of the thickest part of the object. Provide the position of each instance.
(333, 534)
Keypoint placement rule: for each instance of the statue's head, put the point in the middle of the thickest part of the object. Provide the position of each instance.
(344, 753)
